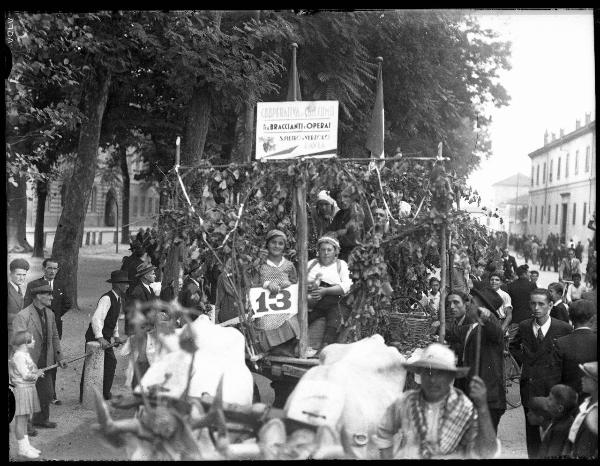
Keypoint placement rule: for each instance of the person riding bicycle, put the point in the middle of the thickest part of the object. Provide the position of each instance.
(568, 266)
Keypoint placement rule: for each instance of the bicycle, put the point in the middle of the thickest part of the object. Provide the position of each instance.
(512, 374)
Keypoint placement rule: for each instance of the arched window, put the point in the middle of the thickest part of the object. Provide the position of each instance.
(63, 194)
(93, 200)
(110, 209)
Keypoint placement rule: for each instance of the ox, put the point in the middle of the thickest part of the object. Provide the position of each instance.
(349, 391)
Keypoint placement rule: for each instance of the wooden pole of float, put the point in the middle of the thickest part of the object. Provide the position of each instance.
(301, 241)
(443, 272)
(177, 162)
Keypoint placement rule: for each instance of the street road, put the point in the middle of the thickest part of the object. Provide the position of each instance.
(75, 437)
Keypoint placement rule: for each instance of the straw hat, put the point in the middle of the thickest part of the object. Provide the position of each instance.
(590, 369)
(437, 357)
(143, 269)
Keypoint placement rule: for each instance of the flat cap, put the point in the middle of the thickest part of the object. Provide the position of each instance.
(41, 289)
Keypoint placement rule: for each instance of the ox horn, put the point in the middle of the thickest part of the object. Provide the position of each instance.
(112, 430)
(215, 416)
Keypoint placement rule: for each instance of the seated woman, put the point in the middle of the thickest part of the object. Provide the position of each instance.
(329, 280)
(274, 274)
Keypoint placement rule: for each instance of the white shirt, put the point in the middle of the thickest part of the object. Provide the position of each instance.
(100, 314)
(560, 301)
(544, 327)
(506, 303)
(51, 283)
(16, 287)
(584, 409)
(434, 300)
(329, 274)
(574, 293)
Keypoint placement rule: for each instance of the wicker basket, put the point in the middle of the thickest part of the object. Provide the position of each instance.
(409, 328)
(418, 329)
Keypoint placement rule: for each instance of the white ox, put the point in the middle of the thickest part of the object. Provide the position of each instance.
(220, 353)
(349, 391)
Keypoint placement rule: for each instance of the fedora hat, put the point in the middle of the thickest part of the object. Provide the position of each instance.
(590, 369)
(491, 300)
(41, 289)
(143, 269)
(437, 357)
(118, 276)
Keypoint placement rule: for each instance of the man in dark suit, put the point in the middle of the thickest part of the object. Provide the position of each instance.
(509, 264)
(580, 346)
(61, 302)
(38, 319)
(541, 365)
(193, 293)
(481, 319)
(519, 291)
(142, 293)
(477, 275)
(16, 280)
(559, 309)
(133, 261)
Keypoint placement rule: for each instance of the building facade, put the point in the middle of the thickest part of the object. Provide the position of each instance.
(510, 196)
(104, 212)
(562, 191)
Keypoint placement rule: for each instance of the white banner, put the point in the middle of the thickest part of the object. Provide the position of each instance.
(287, 130)
(264, 302)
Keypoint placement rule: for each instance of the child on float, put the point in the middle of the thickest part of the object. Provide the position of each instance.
(277, 333)
(23, 374)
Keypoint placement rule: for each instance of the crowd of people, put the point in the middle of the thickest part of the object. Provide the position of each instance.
(492, 307)
(550, 332)
(553, 254)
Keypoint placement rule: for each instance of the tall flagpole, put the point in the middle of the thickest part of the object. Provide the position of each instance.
(301, 236)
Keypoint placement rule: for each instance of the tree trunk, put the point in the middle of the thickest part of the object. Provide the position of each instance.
(125, 194)
(16, 214)
(38, 235)
(196, 126)
(198, 117)
(244, 133)
(69, 231)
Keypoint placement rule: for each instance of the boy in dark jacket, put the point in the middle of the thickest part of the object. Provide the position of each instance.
(562, 402)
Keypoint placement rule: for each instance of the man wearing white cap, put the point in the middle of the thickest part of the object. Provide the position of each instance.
(583, 435)
(438, 420)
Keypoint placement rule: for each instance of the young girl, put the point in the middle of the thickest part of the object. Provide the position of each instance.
(23, 375)
(274, 274)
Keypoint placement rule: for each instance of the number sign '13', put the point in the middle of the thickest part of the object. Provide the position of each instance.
(264, 302)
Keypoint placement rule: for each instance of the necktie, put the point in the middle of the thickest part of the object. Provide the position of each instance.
(540, 336)
(19, 291)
